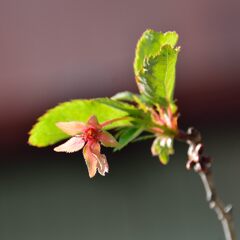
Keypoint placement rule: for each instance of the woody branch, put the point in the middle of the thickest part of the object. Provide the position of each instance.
(202, 165)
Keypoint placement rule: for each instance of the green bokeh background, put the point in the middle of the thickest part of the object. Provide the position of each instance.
(47, 195)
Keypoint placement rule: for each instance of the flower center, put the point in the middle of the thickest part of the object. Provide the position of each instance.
(91, 134)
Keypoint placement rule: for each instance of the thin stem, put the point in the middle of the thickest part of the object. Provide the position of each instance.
(113, 120)
(202, 165)
(223, 213)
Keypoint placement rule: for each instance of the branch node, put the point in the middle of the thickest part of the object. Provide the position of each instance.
(212, 204)
(195, 135)
(228, 209)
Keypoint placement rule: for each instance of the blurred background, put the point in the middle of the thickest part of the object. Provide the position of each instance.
(52, 51)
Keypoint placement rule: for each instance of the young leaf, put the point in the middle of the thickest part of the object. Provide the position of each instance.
(124, 96)
(45, 132)
(150, 44)
(157, 78)
(141, 100)
(164, 156)
(162, 147)
(130, 109)
(127, 136)
(143, 138)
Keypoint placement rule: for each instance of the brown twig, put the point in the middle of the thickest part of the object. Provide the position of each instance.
(202, 165)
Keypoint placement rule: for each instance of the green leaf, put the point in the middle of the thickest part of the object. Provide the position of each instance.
(127, 135)
(142, 101)
(124, 96)
(45, 132)
(157, 78)
(130, 109)
(164, 156)
(143, 138)
(150, 44)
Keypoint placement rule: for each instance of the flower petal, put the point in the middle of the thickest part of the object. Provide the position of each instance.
(92, 121)
(102, 164)
(107, 139)
(74, 144)
(91, 159)
(71, 128)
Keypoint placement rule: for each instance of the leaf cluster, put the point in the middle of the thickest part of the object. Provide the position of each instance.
(154, 68)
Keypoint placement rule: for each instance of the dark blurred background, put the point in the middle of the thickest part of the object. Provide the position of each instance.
(53, 51)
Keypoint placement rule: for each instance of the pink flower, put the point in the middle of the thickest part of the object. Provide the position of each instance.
(91, 135)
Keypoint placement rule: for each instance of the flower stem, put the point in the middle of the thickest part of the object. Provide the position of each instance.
(113, 120)
(202, 165)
